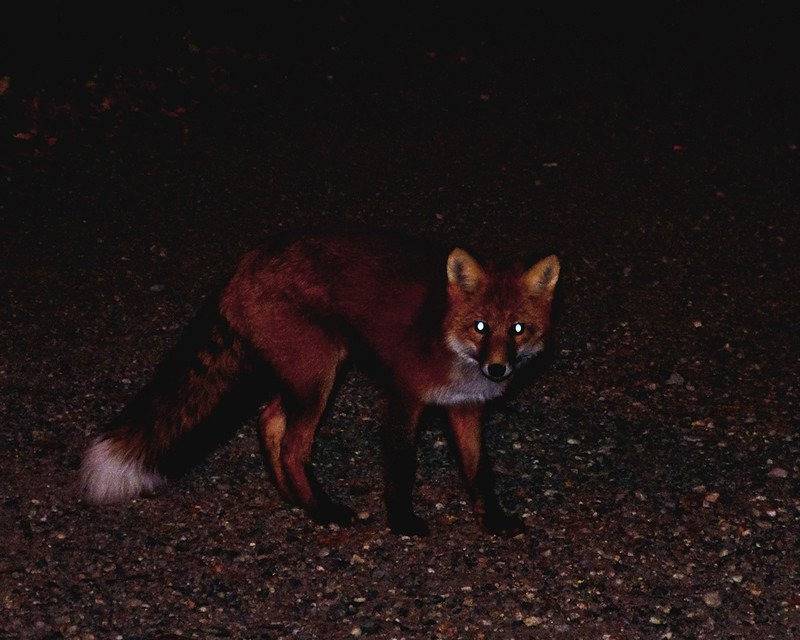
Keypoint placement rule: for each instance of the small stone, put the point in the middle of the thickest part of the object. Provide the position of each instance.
(369, 626)
(532, 621)
(711, 498)
(356, 632)
(676, 379)
(712, 598)
(656, 620)
(778, 472)
(157, 288)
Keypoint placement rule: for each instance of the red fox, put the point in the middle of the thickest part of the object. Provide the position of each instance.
(442, 329)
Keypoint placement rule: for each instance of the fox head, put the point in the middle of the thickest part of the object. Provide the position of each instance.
(498, 319)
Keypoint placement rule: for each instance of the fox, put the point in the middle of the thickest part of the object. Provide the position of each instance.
(440, 327)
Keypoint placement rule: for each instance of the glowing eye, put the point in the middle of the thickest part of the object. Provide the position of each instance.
(480, 326)
(519, 328)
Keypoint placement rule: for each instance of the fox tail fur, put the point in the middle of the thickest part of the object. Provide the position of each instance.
(146, 440)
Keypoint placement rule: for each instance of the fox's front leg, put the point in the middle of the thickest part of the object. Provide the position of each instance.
(400, 450)
(466, 422)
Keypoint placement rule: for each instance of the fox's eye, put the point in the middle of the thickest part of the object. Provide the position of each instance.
(518, 328)
(480, 326)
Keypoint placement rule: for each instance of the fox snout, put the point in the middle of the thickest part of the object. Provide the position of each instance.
(497, 371)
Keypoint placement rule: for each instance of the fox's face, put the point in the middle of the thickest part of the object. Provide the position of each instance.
(498, 319)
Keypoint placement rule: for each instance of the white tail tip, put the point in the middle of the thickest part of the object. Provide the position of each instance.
(107, 476)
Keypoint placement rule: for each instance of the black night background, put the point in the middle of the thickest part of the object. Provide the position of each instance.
(653, 455)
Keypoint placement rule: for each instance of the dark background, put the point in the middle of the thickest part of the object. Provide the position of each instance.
(692, 48)
(654, 457)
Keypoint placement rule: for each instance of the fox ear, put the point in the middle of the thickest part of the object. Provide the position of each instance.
(542, 277)
(464, 271)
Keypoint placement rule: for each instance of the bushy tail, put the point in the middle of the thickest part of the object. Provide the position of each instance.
(111, 472)
(134, 456)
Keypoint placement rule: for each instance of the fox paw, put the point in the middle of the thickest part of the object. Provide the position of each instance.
(409, 525)
(333, 513)
(503, 524)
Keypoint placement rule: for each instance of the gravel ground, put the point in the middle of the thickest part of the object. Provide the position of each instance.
(654, 455)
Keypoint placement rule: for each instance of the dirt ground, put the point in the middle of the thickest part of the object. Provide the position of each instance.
(654, 455)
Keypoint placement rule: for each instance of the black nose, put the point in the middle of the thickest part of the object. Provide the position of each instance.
(496, 370)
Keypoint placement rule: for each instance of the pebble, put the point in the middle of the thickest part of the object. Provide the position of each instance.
(369, 626)
(676, 379)
(778, 472)
(712, 598)
(532, 621)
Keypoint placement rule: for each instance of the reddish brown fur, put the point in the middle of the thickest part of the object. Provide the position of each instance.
(500, 299)
(302, 308)
(465, 420)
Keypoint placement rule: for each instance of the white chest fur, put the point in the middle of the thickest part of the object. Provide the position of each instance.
(466, 385)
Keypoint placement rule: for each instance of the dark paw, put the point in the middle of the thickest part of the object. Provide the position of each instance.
(409, 525)
(333, 513)
(503, 524)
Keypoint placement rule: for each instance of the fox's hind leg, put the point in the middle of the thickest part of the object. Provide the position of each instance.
(271, 428)
(288, 441)
(305, 359)
(295, 454)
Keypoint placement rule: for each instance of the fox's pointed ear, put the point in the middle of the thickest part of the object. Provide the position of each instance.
(542, 277)
(464, 271)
